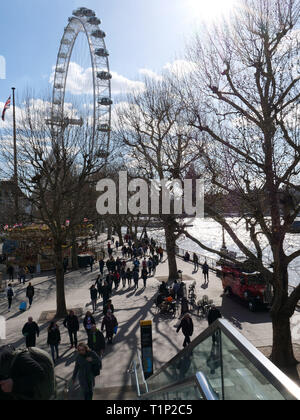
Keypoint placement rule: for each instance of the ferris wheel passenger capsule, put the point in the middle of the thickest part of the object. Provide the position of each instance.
(104, 75)
(105, 101)
(94, 21)
(102, 52)
(99, 34)
(104, 128)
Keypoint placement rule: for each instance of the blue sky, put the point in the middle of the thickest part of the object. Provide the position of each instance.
(141, 34)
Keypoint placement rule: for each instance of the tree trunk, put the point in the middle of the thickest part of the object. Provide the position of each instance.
(171, 249)
(119, 232)
(282, 353)
(74, 254)
(61, 309)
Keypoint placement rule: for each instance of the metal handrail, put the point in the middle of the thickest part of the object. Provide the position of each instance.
(205, 388)
(199, 380)
(278, 379)
(142, 372)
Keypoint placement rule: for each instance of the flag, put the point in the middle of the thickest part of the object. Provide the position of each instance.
(6, 106)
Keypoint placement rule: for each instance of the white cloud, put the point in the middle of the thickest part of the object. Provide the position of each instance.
(80, 81)
(180, 67)
(151, 74)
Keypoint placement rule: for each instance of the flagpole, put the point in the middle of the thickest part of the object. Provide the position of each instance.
(15, 159)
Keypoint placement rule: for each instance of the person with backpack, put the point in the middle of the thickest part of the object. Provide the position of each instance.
(110, 324)
(187, 327)
(31, 331)
(26, 375)
(54, 339)
(10, 294)
(96, 341)
(94, 297)
(87, 367)
(30, 294)
(72, 324)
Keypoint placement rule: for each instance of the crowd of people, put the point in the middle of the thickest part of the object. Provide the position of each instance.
(134, 262)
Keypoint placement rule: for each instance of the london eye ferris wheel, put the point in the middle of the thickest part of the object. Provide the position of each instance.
(84, 23)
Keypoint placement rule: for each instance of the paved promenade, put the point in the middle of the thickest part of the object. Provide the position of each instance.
(131, 307)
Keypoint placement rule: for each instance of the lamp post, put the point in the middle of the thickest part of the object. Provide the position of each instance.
(15, 159)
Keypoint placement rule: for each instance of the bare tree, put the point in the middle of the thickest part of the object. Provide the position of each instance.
(56, 165)
(244, 99)
(158, 145)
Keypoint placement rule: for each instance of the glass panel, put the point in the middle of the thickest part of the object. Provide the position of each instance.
(185, 393)
(242, 379)
(203, 358)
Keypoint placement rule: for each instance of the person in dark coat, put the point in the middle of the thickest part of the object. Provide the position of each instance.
(109, 323)
(54, 339)
(19, 378)
(85, 362)
(10, 272)
(99, 285)
(136, 276)
(205, 270)
(105, 293)
(187, 327)
(101, 266)
(145, 276)
(94, 297)
(31, 331)
(96, 341)
(212, 316)
(88, 322)
(30, 294)
(72, 325)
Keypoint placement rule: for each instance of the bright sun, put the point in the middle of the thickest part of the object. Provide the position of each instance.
(208, 9)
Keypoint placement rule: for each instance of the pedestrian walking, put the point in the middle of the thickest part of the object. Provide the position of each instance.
(105, 293)
(10, 294)
(31, 331)
(94, 297)
(96, 341)
(22, 275)
(87, 367)
(99, 285)
(10, 272)
(54, 339)
(196, 262)
(92, 261)
(110, 324)
(129, 276)
(145, 276)
(205, 270)
(123, 277)
(187, 327)
(72, 324)
(107, 307)
(30, 294)
(136, 277)
(101, 266)
(213, 315)
(88, 322)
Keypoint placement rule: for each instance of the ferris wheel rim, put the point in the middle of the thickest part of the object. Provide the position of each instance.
(102, 104)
